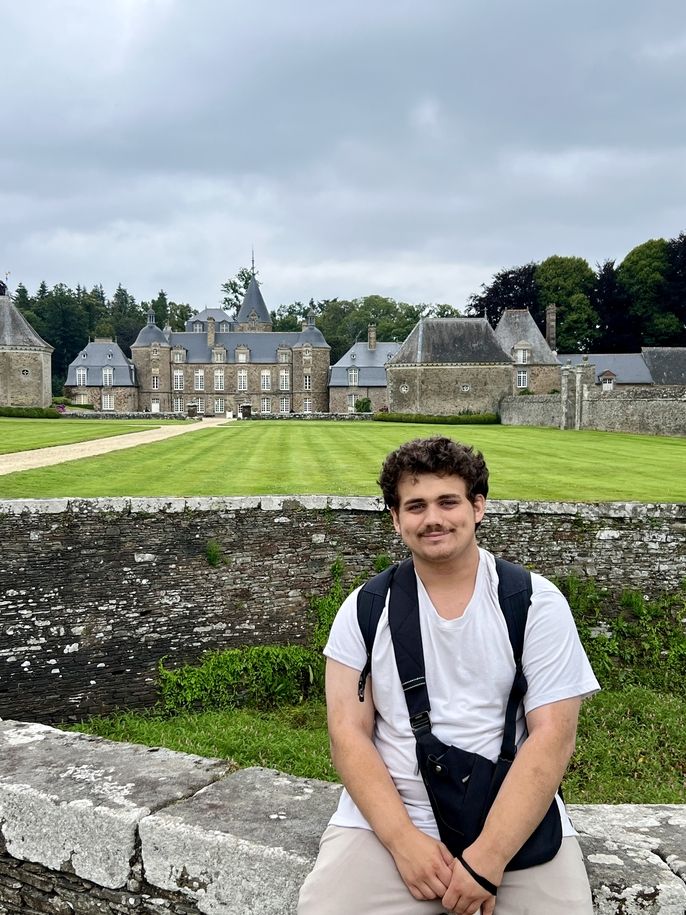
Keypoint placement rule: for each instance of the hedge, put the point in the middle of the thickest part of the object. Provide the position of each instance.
(477, 419)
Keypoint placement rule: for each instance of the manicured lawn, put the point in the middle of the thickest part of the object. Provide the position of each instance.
(244, 458)
(27, 434)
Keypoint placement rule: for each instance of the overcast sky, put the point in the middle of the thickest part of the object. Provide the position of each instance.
(404, 148)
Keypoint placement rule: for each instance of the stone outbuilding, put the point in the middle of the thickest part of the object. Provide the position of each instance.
(25, 359)
(103, 377)
(449, 365)
(218, 364)
(361, 373)
(537, 368)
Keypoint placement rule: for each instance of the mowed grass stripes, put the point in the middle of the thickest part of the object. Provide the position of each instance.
(247, 458)
(29, 434)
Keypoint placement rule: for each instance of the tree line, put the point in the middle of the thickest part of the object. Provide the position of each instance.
(610, 309)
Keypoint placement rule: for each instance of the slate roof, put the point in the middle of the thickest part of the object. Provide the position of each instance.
(97, 356)
(15, 330)
(516, 325)
(263, 345)
(628, 368)
(370, 362)
(149, 334)
(218, 314)
(667, 364)
(450, 341)
(253, 301)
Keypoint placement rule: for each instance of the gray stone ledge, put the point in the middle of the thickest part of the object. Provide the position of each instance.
(241, 843)
(165, 505)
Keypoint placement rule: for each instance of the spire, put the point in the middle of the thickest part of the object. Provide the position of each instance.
(253, 260)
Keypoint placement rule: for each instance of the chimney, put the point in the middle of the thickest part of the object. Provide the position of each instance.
(551, 327)
(210, 331)
(371, 336)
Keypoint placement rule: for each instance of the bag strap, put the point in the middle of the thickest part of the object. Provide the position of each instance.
(514, 594)
(371, 599)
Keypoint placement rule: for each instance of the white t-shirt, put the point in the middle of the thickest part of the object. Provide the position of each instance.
(469, 673)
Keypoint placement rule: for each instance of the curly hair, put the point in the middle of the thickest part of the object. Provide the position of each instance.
(439, 455)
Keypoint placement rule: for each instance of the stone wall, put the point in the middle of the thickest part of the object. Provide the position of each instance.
(653, 410)
(98, 591)
(25, 379)
(441, 389)
(99, 828)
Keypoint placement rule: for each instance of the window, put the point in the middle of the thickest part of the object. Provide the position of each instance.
(219, 379)
(178, 380)
(522, 378)
(284, 380)
(179, 355)
(353, 376)
(608, 384)
(218, 355)
(265, 380)
(200, 404)
(219, 405)
(198, 327)
(199, 380)
(284, 355)
(266, 405)
(522, 353)
(307, 405)
(155, 405)
(155, 351)
(177, 404)
(241, 355)
(465, 388)
(82, 398)
(81, 377)
(284, 404)
(155, 381)
(224, 327)
(108, 401)
(307, 382)
(108, 377)
(351, 403)
(404, 388)
(242, 379)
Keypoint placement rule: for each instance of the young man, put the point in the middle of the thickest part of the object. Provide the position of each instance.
(381, 853)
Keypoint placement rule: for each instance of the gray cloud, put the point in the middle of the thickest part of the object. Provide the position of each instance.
(401, 148)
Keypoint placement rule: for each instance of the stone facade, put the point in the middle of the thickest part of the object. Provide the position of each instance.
(25, 359)
(123, 400)
(339, 398)
(244, 369)
(448, 388)
(100, 590)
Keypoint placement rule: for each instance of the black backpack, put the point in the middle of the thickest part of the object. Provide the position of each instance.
(514, 596)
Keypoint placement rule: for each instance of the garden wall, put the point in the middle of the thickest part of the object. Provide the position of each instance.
(96, 592)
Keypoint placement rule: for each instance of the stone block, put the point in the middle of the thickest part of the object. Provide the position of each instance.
(73, 802)
(242, 845)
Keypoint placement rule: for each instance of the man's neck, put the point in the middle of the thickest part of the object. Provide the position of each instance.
(450, 584)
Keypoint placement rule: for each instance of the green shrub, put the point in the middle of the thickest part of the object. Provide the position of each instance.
(30, 412)
(262, 676)
(455, 419)
(213, 553)
(638, 642)
(363, 405)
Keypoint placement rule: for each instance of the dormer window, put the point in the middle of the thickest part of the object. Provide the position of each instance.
(179, 355)
(83, 355)
(284, 355)
(242, 354)
(109, 354)
(353, 377)
(224, 327)
(198, 327)
(218, 355)
(522, 353)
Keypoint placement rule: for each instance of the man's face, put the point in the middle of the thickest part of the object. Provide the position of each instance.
(435, 518)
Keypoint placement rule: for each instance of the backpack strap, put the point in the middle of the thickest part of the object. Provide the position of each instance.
(371, 599)
(514, 596)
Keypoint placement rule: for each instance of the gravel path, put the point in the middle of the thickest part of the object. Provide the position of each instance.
(58, 454)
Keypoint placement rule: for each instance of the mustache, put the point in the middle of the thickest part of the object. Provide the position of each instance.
(434, 529)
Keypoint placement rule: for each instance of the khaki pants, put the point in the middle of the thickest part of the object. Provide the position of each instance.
(354, 873)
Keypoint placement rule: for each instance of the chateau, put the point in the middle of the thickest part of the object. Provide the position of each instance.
(216, 365)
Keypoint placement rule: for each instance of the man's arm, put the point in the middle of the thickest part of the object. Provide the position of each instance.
(521, 803)
(423, 862)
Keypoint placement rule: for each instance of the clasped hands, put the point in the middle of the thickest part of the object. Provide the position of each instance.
(430, 871)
